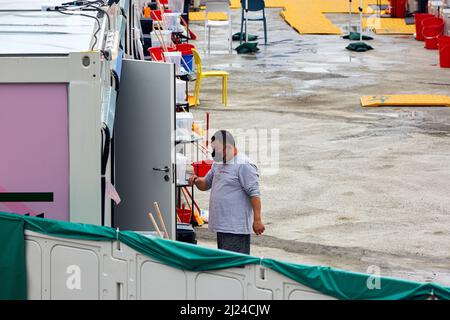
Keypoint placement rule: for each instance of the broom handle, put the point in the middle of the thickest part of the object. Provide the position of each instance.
(161, 220)
(160, 37)
(186, 198)
(203, 150)
(155, 225)
(195, 203)
(161, 8)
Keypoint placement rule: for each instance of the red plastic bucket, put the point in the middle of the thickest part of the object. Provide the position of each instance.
(188, 57)
(156, 14)
(184, 215)
(157, 53)
(432, 28)
(444, 51)
(185, 48)
(201, 168)
(419, 17)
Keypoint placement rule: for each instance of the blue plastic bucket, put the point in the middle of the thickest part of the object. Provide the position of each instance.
(187, 62)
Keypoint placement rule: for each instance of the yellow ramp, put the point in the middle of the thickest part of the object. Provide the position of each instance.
(200, 16)
(389, 26)
(306, 16)
(412, 100)
(341, 6)
(325, 6)
(310, 22)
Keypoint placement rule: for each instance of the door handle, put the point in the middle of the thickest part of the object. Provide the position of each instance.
(165, 169)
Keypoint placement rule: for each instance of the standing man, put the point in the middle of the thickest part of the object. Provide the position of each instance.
(234, 204)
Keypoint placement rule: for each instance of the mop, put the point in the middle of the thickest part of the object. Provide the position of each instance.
(247, 47)
(353, 35)
(359, 46)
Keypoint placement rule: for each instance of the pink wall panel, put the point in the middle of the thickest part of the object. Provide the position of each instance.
(34, 146)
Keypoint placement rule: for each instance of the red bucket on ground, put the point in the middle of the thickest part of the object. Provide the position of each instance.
(419, 17)
(432, 29)
(444, 51)
(201, 168)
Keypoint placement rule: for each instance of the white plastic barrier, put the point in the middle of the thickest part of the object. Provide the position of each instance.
(77, 269)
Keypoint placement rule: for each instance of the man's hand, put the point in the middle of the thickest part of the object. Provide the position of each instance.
(192, 179)
(258, 227)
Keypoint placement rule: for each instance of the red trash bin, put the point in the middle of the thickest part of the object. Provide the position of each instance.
(400, 10)
(432, 28)
(444, 51)
(397, 8)
(419, 17)
(392, 4)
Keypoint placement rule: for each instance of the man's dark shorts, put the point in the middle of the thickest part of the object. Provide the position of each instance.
(234, 242)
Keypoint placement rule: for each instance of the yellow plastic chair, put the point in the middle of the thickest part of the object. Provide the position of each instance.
(206, 74)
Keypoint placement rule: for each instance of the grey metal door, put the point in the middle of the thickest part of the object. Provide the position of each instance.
(144, 145)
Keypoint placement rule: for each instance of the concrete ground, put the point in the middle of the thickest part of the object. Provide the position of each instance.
(355, 187)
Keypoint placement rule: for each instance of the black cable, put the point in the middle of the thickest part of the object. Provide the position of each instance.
(105, 147)
(60, 10)
(102, 181)
(102, 11)
(82, 3)
(113, 178)
(122, 11)
(86, 4)
(116, 80)
(89, 4)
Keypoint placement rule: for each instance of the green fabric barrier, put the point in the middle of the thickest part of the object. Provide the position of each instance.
(13, 282)
(337, 283)
(347, 285)
(185, 256)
